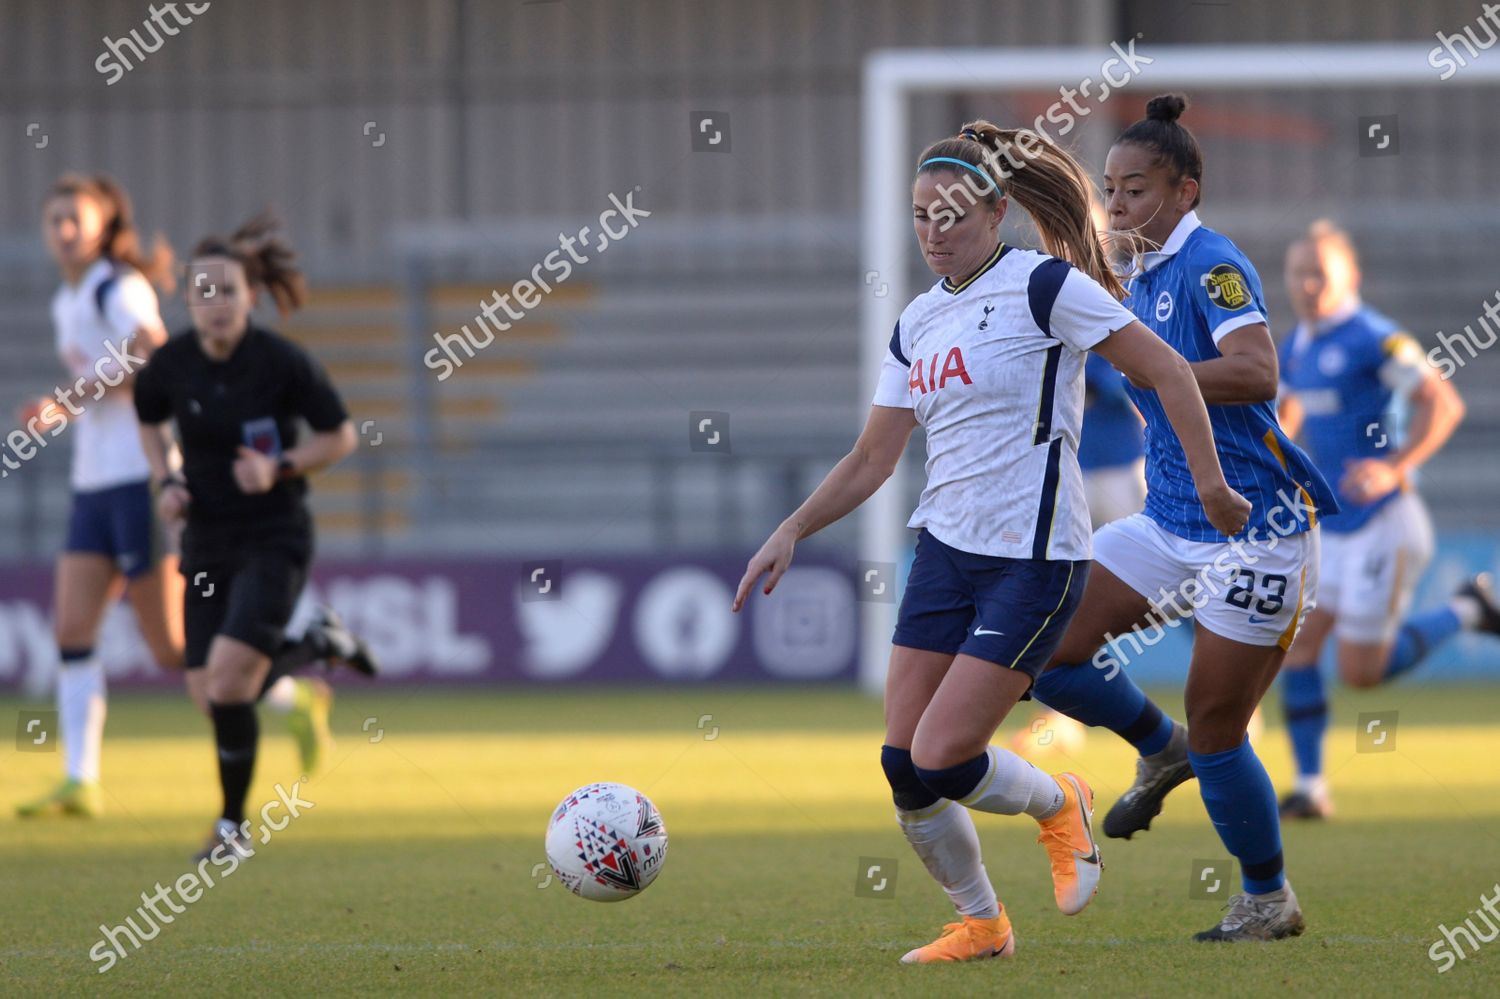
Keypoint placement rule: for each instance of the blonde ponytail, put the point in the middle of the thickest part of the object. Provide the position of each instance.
(1046, 181)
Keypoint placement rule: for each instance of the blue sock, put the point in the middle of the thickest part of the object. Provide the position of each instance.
(1419, 635)
(1306, 716)
(1242, 804)
(1106, 697)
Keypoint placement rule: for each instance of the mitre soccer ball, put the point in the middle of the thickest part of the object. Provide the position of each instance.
(606, 842)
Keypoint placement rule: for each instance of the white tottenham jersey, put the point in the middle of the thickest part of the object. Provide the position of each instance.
(993, 370)
(108, 305)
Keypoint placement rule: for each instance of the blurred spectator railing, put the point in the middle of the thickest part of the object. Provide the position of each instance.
(572, 428)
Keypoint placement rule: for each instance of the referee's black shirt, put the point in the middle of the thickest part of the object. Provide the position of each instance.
(253, 398)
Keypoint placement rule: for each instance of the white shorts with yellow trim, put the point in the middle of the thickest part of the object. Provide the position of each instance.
(1370, 575)
(1252, 592)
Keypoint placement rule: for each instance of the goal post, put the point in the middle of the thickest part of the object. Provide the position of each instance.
(893, 77)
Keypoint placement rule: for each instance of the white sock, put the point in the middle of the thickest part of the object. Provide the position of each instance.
(1312, 784)
(80, 714)
(945, 838)
(1468, 611)
(1013, 786)
(282, 697)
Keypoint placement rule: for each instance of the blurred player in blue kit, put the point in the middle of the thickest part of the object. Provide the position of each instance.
(1347, 372)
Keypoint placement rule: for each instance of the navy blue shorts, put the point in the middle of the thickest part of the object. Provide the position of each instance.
(1010, 611)
(117, 523)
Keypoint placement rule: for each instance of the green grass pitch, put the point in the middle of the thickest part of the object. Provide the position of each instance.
(415, 871)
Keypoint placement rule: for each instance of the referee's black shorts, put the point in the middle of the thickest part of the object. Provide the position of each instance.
(243, 582)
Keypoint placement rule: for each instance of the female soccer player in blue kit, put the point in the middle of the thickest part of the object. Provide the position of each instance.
(1344, 371)
(1249, 591)
(990, 362)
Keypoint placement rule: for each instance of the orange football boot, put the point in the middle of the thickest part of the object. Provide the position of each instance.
(1069, 839)
(974, 939)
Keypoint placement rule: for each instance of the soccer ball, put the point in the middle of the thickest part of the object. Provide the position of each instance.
(606, 842)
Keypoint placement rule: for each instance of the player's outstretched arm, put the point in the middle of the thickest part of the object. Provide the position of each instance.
(1147, 361)
(852, 481)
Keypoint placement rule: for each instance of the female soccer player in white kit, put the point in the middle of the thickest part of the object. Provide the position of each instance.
(107, 322)
(990, 362)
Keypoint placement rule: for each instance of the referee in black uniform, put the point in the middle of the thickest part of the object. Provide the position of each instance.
(236, 393)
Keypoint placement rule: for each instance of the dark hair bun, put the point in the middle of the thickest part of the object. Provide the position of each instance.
(1166, 107)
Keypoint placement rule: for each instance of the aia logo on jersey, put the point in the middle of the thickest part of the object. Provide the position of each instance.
(984, 323)
(953, 367)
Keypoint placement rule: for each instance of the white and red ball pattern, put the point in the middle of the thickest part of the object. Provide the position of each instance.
(606, 842)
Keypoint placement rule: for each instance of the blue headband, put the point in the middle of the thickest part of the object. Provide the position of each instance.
(989, 181)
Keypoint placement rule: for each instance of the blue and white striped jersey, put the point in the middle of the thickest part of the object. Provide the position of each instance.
(1196, 290)
(1349, 372)
(993, 370)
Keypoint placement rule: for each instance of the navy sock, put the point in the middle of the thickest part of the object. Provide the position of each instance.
(1242, 804)
(1419, 635)
(1106, 697)
(958, 781)
(1306, 716)
(907, 789)
(236, 731)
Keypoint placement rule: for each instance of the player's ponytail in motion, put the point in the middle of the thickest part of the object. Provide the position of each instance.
(121, 240)
(1045, 180)
(270, 263)
(1169, 139)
